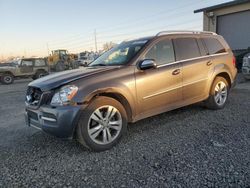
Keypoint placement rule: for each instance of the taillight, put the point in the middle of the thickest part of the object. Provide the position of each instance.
(234, 61)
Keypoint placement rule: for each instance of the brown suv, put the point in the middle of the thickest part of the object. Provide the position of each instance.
(132, 81)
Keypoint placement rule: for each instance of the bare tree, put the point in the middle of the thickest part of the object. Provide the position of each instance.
(108, 45)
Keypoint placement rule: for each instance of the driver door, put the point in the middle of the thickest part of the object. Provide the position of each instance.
(159, 89)
(26, 67)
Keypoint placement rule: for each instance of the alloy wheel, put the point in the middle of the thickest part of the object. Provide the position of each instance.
(220, 94)
(104, 125)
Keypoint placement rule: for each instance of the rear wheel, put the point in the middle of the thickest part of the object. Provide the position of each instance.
(218, 94)
(102, 124)
(39, 74)
(7, 79)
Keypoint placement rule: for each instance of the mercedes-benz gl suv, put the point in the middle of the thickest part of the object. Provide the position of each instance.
(134, 80)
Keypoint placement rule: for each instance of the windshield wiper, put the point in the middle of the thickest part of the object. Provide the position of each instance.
(100, 64)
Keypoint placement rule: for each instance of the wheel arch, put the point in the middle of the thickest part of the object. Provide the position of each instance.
(41, 70)
(115, 95)
(7, 72)
(226, 76)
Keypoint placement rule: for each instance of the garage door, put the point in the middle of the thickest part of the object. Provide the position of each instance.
(235, 28)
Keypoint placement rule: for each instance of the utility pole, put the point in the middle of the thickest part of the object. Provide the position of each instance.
(95, 41)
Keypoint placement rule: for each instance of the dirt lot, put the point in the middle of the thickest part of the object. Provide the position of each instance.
(188, 147)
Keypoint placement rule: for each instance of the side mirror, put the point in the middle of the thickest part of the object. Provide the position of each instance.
(147, 64)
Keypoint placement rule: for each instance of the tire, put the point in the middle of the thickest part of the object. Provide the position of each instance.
(7, 79)
(39, 74)
(218, 94)
(75, 65)
(60, 66)
(246, 77)
(91, 129)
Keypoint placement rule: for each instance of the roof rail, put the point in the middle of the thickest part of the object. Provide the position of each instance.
(184, 32)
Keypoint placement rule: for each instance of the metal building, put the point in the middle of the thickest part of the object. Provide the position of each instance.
(231, 20)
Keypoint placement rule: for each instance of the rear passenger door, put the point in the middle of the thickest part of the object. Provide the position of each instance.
(196, 65)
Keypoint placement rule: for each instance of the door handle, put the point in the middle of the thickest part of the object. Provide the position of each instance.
(209, 63)
(176, 72)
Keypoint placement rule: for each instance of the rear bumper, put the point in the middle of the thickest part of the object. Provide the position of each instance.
(57, 121)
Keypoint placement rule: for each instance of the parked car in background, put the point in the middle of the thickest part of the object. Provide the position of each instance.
(85, 58)
(246, 66)
(132, 81)
(23, 68)
(239, 55)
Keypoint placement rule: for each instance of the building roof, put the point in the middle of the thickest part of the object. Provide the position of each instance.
(223, 5)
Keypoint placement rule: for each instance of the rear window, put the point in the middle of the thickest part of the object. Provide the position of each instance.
(186, 48)
(27, 63)
(213, 46)
(39, 62)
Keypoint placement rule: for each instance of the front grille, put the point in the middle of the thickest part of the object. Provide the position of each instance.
(32, 115)
(35, 97)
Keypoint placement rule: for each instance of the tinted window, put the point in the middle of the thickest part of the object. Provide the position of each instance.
(213, 46)
(39, 62)
(162, 52)
(186, 48)
(202, 48)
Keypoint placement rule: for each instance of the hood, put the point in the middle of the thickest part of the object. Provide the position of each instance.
(56, 80)
(6, 67)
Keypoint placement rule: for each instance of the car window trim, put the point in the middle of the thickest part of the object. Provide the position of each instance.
(191, 59)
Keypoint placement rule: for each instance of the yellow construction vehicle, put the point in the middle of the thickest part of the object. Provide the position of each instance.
(61, 60)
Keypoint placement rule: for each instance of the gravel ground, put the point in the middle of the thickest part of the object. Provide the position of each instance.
(188, 147)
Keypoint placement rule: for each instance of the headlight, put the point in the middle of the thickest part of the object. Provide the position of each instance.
(64, 95)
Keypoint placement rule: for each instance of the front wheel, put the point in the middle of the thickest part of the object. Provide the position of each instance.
(102, 124)
(218, 94)
(7, 79)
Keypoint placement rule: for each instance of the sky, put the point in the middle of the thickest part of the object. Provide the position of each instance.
(35, 27)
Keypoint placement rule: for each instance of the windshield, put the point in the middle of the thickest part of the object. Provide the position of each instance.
(17, 62)
(120, 54)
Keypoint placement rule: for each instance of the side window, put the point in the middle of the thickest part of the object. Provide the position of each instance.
(186, 48)
(39, 63)
(202, 48)
(27, 63)
(213, 46)
(162, 52)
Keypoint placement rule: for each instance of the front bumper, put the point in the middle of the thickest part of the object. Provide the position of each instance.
(58, 121)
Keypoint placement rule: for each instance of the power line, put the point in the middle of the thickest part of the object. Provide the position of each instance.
(141, 33)
(165, 12)
(88, 42)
